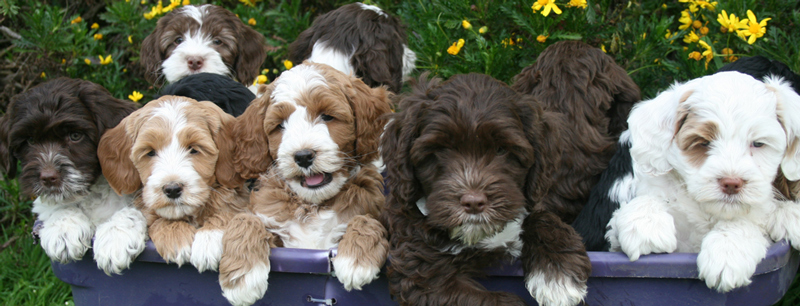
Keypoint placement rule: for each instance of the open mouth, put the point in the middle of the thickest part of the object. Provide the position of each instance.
(316, 181)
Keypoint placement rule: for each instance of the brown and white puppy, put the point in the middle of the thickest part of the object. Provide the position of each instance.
(595, 95)
(360, 40)
(467, 162)
(206, 38)
(53, 130)
(174, 149)
(311, 140)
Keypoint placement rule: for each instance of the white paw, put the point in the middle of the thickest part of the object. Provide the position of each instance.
(555, 291)
(207, 249)
(643, 227)
(250, 288)
(724, 272)
(729, 255)
(119, 240)
(66, 236)
(783, 223)
(351, 275)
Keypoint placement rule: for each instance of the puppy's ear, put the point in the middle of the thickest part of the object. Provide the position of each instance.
(369, 105)
(252, 51)
(7, 160)
(300, 49)
(653, 125)
(251, 155)
(625, 93)
(114, 153)
(225, 171)
(378, 63)
(789, 116)
(543, 131)
(107, 110)
(527, 80)
(150, 55)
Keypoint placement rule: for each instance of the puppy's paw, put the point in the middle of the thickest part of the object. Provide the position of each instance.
(245, 287)
(729, 255)
(67, 236)
(782, 224)
(173, 240)
(555, 290)
(119, 240)
(207, 250)
(352, 273)
(642, 228)
(724, 272)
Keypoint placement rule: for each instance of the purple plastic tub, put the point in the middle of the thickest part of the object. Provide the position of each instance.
(303, 277)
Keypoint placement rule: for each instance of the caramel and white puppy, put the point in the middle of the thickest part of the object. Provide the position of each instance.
(169, 152)
(320, 129)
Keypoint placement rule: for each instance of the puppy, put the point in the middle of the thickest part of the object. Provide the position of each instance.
(230, 96)
(310, 139)
(705, 154)
(53, 130)
(360, 40)
(467, 161)
(595, 95)
(174, 149)
(208, 38)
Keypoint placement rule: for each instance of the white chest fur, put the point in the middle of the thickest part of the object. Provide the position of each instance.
(320, 230)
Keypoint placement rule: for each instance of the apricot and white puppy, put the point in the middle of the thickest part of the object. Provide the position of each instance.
(171, 149)
(705, 154)
(320, 129)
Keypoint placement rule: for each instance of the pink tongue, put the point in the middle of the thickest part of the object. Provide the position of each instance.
(314, 179)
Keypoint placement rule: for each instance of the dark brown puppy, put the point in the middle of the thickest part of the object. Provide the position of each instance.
(467, 161)
(595, 95)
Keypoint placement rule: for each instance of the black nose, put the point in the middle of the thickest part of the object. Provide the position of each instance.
(173, 190)
(304, 158)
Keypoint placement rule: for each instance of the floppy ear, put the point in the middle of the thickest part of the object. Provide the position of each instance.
(300, 49)
(526, 80)
(7, 160)
(653, 124)
(789, 116)
(114, 153)
(224, 170)
(543, 131)
(252, 51)
(150, 55)
(369, 105)
(107, 110)
(251, 155)
(625, 93)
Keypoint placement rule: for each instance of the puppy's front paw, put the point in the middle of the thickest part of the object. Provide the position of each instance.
(245, 287)
(729, 255)
(207, 249)
(644, 229)
(782, 224)
(66, 237)
(173, 240)
(555, 290)
(119, 240)
(353, 275)
(724, 272)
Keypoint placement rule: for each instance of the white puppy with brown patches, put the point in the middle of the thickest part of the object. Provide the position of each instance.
(171, 149)
(705, 154)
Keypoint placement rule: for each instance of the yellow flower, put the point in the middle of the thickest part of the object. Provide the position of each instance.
(251, 22)
(124, 70)
(76, 20)
(754, 29)
(704, 31)
(695, 55)
(548, 5)
(729, 24)
(154, 11)
(685, 20)
(186, 2)
(466, 24)
(691, 37)
(63, 61)
(577, 3)
(603, 47)
(249, 2)
(87, 61)
(706, 5)
(135, 96)
(95, 26)
(697, 24)
(541, 38)
(727, 51)
(483, 29)
(708, 53)
(43, 75)
(456, 47)
(261, 79)
(172, 4)
(288, 64)
(130, 39)
(98, 36)
(264, 71)
(105, 61)
(143, 2)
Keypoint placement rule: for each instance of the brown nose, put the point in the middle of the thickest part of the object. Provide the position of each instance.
(473, 202)
(49, 177)
(194, 62)
(731, 185)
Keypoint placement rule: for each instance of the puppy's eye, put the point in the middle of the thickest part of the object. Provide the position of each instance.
(705, 143)
(217, 42)
(179, 40)
(30, 141)
(75, 137)
(151, 153)
(501, 151)
(757, 144)
(326, 117)
(281, 126)
(192, 150)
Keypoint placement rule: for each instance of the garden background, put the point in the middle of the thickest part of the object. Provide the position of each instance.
(657, 42)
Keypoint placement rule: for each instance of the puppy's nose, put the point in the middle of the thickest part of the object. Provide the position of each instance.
(731, 185)
(473, 202)
(194, 62)
(173, 190)
(304, 158)
(49, 177)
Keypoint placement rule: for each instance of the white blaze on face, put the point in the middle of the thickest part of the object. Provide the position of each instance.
(196, 45)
